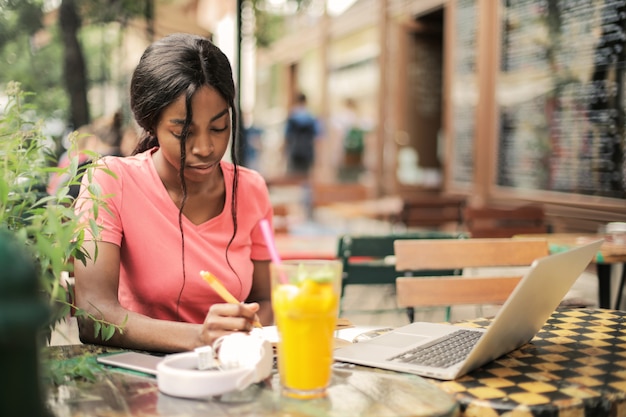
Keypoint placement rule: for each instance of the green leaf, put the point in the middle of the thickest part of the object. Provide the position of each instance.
(107, 332)
(65, 310)
(94, 228)
(4, 191)
(97, 326)
(80, 313)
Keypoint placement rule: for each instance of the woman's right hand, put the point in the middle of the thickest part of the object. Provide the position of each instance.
(223, 319)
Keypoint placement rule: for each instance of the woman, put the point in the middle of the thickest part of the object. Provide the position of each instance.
(175, 209)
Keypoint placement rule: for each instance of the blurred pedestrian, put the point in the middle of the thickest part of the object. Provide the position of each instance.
(353, 131)
(251, 143)
(301, 130)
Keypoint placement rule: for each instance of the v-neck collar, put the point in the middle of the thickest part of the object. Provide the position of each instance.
(171, 206)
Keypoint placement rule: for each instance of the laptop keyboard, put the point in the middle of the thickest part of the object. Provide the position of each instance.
(442, 353)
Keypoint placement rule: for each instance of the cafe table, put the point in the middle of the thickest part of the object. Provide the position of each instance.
(575, 366)
(610, 254)
(354, 391)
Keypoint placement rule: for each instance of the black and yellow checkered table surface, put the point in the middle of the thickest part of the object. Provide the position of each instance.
(575, 366)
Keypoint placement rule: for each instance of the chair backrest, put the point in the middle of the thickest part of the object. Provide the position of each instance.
(500, 222)
(368, 259)
(432, 211)
(474, 252)
(324, 194)
(281, 218)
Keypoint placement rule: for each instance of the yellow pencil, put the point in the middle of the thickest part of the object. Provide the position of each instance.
(221, 290)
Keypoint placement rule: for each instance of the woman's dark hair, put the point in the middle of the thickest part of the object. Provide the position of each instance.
(180, 64)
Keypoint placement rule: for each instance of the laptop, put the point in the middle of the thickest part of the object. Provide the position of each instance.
(519, 319)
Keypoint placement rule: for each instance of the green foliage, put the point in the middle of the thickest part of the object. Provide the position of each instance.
(37, 61)
(270, 26)
(19, 16)
(47, 225)
(84, 368)
(37, 68)
(100, 43)
(105, 11)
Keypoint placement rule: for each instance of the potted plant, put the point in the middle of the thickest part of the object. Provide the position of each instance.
(46, 226)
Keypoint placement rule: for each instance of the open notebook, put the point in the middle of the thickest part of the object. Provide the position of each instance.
(416, 348)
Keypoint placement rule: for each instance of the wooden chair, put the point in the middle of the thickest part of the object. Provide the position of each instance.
(501, 222)
(433, 211)
(436, 254)
(368, 260)
(281, 218)
(324, 194)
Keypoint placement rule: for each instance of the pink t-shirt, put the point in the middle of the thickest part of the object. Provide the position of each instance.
(144, 224)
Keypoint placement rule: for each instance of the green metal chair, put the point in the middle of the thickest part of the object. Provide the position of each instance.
(368, 260)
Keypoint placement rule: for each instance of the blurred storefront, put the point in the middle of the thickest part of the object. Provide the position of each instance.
(482, 99)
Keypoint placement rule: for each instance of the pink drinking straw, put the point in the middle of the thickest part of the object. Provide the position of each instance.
(271, 245)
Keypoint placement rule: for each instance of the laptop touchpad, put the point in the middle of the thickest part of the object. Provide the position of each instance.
(397, 339)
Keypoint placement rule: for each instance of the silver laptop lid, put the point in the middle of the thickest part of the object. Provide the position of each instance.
(532, 302)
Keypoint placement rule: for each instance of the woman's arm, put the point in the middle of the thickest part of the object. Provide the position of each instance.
(96, 289)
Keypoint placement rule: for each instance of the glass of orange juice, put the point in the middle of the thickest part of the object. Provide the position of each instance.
(305, 299)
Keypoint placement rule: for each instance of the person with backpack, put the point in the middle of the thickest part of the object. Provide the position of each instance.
(301, 130)
(353, 130)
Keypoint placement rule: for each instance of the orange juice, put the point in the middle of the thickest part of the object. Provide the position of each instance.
(305, 311)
